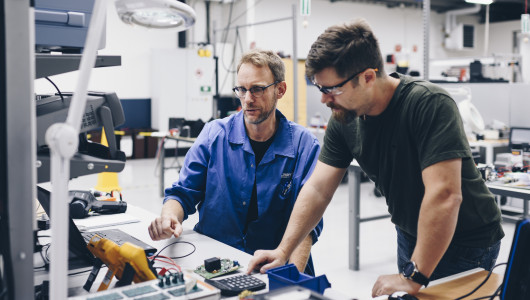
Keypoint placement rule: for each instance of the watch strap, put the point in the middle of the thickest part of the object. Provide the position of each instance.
(418, 277)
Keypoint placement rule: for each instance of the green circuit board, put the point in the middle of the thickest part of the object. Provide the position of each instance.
(227, 266)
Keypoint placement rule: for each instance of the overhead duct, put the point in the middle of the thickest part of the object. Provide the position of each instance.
(459, 36)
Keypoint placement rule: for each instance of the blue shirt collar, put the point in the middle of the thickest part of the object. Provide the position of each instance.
(283, 141)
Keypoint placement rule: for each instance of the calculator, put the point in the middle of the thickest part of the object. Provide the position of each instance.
(233, 286)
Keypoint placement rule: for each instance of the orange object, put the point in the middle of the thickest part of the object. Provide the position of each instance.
(116, 257)
(462, 74)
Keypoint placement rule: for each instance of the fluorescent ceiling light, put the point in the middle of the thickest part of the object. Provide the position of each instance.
(156, 13)
(483, 2)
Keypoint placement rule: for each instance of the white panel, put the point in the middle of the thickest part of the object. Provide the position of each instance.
(168, 86)
(177, 76)
(200, 86)
(519, 105)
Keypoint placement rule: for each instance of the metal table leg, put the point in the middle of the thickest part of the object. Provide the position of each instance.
(525, 207)
(354, 188)
(355, 220)
(162, 156)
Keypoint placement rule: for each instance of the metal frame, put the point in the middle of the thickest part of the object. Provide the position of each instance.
(355, 220)
(295, 57)
(514, 192)
(20, 132)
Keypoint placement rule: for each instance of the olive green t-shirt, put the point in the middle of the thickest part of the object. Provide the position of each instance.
(420, 127)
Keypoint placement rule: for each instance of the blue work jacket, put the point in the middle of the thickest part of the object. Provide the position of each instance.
(218, 177)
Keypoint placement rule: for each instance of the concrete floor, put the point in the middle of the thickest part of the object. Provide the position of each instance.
(140, 186)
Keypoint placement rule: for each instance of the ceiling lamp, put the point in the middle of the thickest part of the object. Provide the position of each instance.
(156, 13)
(483, 2)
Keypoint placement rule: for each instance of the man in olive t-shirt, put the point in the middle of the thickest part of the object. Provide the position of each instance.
(408, 137)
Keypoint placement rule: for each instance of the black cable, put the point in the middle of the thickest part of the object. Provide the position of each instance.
(498, 291)
(60, 94)
(193, 251)
(481, 284)
(44, 259)
(225, 31)
(176, 257)
(245, 12)
(48, 248)
(85, 271)
(224, 38)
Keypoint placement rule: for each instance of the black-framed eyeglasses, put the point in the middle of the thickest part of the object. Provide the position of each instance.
(335, 90)
(256, 91)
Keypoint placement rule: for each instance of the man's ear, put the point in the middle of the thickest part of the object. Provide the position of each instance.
(282, 89)
(369, 77)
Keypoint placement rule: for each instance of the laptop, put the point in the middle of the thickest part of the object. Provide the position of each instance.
(516, 283)
(77, 240)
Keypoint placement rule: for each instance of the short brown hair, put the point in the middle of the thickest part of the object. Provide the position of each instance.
(349, 48)
(261, 58)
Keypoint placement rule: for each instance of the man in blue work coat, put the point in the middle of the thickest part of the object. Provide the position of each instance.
(244, 172)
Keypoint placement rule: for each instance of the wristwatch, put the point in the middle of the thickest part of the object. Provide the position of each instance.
(410, 271)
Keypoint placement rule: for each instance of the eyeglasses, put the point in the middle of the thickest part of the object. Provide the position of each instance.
(256, 91)
(335, 90)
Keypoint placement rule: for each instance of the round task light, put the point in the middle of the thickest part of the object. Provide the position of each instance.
(471, 116)
(170, 14)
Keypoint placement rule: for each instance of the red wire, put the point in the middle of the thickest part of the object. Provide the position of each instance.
(170, 262)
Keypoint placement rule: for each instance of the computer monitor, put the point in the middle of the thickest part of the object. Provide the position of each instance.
(62, 25)
(520, 138)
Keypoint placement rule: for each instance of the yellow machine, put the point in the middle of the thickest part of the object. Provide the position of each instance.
(127, 262)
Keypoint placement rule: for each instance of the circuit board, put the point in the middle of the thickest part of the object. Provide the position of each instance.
(227, 266)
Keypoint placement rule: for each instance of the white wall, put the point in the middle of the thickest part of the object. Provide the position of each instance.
(405, 24)
(392, 26)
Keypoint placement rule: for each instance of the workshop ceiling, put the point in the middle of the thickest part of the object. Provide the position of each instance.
(500, 10)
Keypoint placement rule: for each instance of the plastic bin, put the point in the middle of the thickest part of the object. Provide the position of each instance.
(288, 275)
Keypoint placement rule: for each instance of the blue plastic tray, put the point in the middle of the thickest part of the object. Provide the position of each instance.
(288, 275)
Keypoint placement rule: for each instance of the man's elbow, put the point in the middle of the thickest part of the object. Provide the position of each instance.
(447, 198)
(454, 200)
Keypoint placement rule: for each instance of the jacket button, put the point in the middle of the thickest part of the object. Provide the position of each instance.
(244, 202)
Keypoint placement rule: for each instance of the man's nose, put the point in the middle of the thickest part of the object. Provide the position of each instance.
(326, 98)
(248, 97)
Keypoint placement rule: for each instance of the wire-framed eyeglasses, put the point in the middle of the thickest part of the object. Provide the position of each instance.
(335, 90)
(256, 91)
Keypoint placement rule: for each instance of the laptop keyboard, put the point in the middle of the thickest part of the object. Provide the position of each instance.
(89, 235)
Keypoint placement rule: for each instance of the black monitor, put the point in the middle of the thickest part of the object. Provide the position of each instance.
(520, 138)
(79, 255)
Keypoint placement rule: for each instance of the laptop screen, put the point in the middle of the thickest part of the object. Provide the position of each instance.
(516, 283)
(76, 242)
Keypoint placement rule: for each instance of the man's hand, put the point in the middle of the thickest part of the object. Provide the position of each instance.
(164, 227)
(388, 284)
(264, 260)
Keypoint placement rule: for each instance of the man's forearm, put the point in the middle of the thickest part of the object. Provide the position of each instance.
(436, 227)
(174, 208)
(306, 214)
(438, 213)
(301, 254)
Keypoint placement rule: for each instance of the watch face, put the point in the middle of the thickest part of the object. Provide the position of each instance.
(408, 269)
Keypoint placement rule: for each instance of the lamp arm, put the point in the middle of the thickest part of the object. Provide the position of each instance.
(63, 140)
(88, 60)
